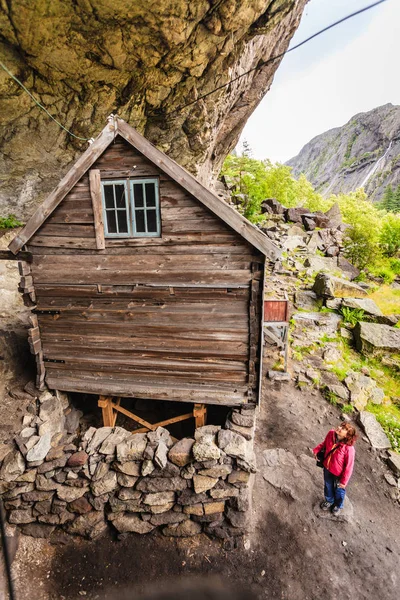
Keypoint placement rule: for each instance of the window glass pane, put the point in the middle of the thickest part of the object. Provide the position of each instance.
(109, 196)
(150, 194)
(111, 222)
(122, 221)
(120, 195)
(151, 221)
(138, 194)
(140, 223)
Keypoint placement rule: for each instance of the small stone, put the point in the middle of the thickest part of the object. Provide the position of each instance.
(126, 481)
(160, 456)
(217, 471)
(101, 471)
(238, 477)
(232, 443)
(37, 496)
(129, 468)
(78, 459)
(28, 432)
(188, 497)
(160, 508)
(246, 432)
(27, 477)
(212, 508)
(72, 418)
(69, 494)
(185, 529)
(90, 525)
(194, 509)
(96, 438)
(203, 483)
(188, 472)
(40, 449)
(133, 448)
(206, 431)
(43, 508)
(373, 430)
(18, 517)
(46, 467)
(132, 523)
(13, 466)
(159, 498)
(52, 417)
(105, 485)
(390, 479)
(228, 492)
(181, 453)
(118, 436)
(80, 506)
(147, 468)
(129, 494)
(161, 484)
(206, 449)
(242, 420)
(394, 462)
(236, 519)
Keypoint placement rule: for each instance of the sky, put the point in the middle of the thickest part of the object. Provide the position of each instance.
(350, 69)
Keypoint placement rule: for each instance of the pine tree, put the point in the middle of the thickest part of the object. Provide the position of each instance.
(388, 197)
(395, 206)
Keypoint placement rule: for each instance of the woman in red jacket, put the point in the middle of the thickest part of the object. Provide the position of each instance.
(338, 465)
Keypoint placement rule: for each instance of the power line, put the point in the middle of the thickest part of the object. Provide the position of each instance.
(41, 105)
(274, 58)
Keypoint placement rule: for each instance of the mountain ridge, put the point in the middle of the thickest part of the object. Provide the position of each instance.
(365, 152)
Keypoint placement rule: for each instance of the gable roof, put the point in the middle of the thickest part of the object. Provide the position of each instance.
(117, 126)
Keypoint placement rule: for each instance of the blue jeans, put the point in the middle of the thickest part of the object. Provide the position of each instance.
(333, 494)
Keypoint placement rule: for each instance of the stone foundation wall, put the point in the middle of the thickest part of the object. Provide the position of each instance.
(54, 480)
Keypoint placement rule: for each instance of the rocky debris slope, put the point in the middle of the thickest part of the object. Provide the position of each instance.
(143, 60)
(340, 160)
(52, 479)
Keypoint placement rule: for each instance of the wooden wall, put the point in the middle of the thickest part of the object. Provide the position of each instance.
(176, 317)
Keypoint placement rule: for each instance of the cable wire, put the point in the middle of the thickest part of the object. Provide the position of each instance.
(277, 57)
(41, 105)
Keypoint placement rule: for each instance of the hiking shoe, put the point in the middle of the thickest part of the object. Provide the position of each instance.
(325, 505)
(336, 510)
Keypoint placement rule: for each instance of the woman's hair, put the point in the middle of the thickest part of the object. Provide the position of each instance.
(351, 434)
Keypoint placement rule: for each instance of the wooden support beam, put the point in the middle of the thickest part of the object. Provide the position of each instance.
(200, 415)
(8, 255)
(105, 403)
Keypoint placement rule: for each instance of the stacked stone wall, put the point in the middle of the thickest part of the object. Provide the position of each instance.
(54, 479)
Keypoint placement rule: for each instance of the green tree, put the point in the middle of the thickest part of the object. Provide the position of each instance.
(388, 197)
(395, 205)
(390, 235)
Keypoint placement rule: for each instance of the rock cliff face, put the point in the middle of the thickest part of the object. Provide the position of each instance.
(143, 59)
(363, 153)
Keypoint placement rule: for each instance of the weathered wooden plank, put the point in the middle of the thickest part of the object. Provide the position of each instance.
(65, 185)
(153, 250)
(95, 193)
(68, 230)
(156, 276)
(162, 262)
(63, 242)
(78, 216)
(141, 292)
(155, 375)
(97, 385)
(167, 345)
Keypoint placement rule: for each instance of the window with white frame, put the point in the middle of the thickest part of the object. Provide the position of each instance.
(131, 208)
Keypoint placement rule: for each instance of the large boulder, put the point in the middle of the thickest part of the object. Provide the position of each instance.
(294, 214)
(363, 389)
(373, 431)
(365, 304)
(272, 206)
(374, 338)
(351, 271)
(328, 286)
(334, 215)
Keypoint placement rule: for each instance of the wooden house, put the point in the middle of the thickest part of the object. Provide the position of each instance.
(144, 283)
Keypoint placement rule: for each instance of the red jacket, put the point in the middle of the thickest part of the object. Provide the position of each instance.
(341, 461)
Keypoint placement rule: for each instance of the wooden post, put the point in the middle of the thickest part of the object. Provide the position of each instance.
(105, 403)
(200, 415)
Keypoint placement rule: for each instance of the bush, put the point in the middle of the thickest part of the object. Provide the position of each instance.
(9, 222)
(352, 315)
(360, 247)
(390, 235)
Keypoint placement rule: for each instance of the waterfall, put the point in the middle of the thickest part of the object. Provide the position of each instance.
(375, 166)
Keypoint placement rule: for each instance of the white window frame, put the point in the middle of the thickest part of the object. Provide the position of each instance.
(156, 208)
(130, 207)
(107, 234)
